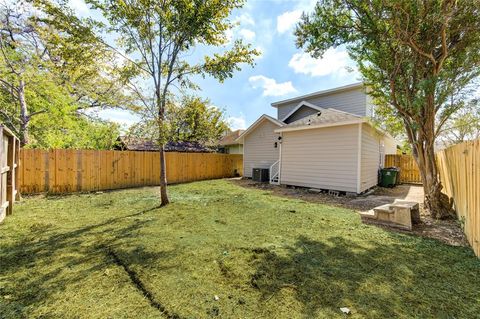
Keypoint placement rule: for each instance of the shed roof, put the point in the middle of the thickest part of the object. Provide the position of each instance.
(323, 118)
(257, 122)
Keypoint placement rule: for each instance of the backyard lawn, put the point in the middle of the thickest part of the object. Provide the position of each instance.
(220, 250)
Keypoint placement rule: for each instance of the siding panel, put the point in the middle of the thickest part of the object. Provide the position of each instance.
(370, 157)
(258, 148)
(352, 101)
(321, 158)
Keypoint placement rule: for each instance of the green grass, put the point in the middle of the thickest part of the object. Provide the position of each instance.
(114, 255)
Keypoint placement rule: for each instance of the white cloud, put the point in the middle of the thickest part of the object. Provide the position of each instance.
(237, 122)
(79, 6)
(247, 34)
(270, 86)
(244, 19)
(334, 61)
(287, 20)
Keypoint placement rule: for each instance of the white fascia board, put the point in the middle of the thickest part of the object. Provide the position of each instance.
(306, 127)
(256, 123)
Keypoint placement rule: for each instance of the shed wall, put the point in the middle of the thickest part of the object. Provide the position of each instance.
(258, 148)
(372, 143)
(324, 158)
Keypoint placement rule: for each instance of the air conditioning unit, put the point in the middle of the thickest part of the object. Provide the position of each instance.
(260, 175)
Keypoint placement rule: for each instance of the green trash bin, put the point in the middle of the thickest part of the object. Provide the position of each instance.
(388, 177)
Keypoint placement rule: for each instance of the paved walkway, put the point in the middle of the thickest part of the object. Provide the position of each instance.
(382, 196)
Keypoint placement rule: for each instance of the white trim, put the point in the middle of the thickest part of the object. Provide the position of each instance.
(359, 159)
(303, 103)
(306, 127)
(318, 93)
(280, 159)
(256, 123)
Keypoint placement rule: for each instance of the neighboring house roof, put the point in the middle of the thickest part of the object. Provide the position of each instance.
(324, 118)
(129, 143)
(230, 138)
(319, 93)
(262, 118)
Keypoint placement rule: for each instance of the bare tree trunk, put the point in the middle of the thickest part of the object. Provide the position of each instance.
(437, 203)
(163, 178)
(161, 138)
(24, 117)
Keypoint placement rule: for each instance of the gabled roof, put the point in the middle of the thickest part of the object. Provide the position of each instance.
(262, 118)
(324, 118)
(230, 138)
(303, 103)
(320, 93)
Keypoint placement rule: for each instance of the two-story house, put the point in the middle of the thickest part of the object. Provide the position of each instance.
(322, 140)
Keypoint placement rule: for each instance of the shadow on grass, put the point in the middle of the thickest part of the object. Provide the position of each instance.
(381, 281)
(41, 265)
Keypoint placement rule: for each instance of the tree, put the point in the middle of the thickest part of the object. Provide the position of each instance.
(46, 70)
(463, 125)
(158, 36)
(193, 119)
(414, 55)
(188, 119)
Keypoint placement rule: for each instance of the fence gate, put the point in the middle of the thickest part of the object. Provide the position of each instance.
(409, 172)
(9, 149)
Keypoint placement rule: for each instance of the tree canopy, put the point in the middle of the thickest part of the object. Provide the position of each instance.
(157, 38)
(50, 74)
(187, 119)
(413, 55)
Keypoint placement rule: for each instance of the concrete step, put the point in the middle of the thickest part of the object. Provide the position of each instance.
(387, 208)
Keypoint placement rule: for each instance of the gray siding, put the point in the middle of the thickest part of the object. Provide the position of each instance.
(352, 101)
(302, 112)
(370, 157)
(258, 148)
(321, 158)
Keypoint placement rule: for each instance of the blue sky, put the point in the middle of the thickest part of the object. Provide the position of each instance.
(282, 71)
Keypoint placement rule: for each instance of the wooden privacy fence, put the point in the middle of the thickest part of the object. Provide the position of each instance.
(9, 147)
(459, 168)
(409, 172)
(65, 171)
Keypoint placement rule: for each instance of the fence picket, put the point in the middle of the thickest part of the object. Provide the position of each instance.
(65, 171)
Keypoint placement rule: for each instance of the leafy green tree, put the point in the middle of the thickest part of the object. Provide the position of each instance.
(158, 35)
(193, 119)
(76, 131)
(49, 70)
(188, 119)
(464, 125)
(414, 55)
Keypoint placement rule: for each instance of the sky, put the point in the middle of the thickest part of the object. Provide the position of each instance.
(282, 71)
